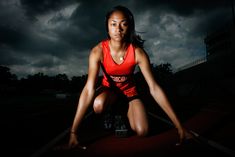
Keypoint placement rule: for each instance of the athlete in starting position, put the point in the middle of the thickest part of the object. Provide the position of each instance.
(118, 55)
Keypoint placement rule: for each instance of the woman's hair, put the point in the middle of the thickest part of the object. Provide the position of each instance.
(132, 37)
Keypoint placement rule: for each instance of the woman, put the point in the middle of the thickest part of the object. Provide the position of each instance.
(118, 55)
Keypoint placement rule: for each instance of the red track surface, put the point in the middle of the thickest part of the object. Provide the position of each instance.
(215, 123)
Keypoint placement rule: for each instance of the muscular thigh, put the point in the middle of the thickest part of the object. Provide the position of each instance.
(137, 115)
(104, 97)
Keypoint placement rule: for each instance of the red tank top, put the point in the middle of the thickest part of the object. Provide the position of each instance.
(122, 74)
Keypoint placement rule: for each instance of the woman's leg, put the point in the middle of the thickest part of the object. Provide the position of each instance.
(137, 117)
(105, 97)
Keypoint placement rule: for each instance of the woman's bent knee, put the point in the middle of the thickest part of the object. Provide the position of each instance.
(142, 131)
(98, 106)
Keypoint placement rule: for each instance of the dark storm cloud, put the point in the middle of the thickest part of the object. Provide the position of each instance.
(87, 23)
(210, 11)
(57, 35)
(8, 58)
(35, 7)
(182, 7)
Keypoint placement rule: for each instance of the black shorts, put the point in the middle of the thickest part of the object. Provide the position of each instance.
(102, 88)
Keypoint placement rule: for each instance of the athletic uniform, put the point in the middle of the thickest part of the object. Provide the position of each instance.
(121, 74)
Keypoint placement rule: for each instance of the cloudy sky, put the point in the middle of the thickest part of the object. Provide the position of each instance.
(56, 36)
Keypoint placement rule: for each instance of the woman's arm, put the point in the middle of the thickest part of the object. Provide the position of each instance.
(156, 91)
(87, 95)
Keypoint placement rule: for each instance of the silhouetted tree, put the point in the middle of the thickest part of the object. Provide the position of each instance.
(76, 84)
(162, 73)
(35, 83)
(8, 81)
(61, 82)
(6, 75)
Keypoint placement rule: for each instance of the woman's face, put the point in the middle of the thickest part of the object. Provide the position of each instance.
(117, 26)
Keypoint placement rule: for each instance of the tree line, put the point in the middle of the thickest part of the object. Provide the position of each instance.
(44, 84)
